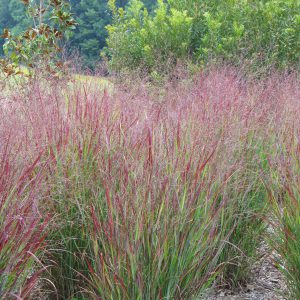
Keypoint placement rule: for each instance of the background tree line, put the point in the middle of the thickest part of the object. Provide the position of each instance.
(89, 36)
(154, 34)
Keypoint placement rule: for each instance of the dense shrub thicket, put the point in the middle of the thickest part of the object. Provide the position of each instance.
(264, 33)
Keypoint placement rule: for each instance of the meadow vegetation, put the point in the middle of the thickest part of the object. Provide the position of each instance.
(123, 196)
(162, 186)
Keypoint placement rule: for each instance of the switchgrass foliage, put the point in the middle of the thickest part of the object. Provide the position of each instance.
(149, 197)
(285, 234)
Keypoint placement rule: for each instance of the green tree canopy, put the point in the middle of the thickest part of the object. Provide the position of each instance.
(90, 35)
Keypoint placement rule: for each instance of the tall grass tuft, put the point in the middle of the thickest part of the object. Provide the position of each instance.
(22, 227)
(153, 195)
(285, 225)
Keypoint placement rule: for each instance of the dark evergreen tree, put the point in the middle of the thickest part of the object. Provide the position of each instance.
(89, 37)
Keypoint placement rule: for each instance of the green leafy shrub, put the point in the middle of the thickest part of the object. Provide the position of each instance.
(138, 39)
(263, 33)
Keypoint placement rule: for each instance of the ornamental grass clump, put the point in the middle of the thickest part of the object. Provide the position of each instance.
(285, 230)
(22, 228)
(284, 236)
(151, 194)
(145, 192)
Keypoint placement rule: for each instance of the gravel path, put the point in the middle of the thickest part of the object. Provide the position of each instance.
(267, 282)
